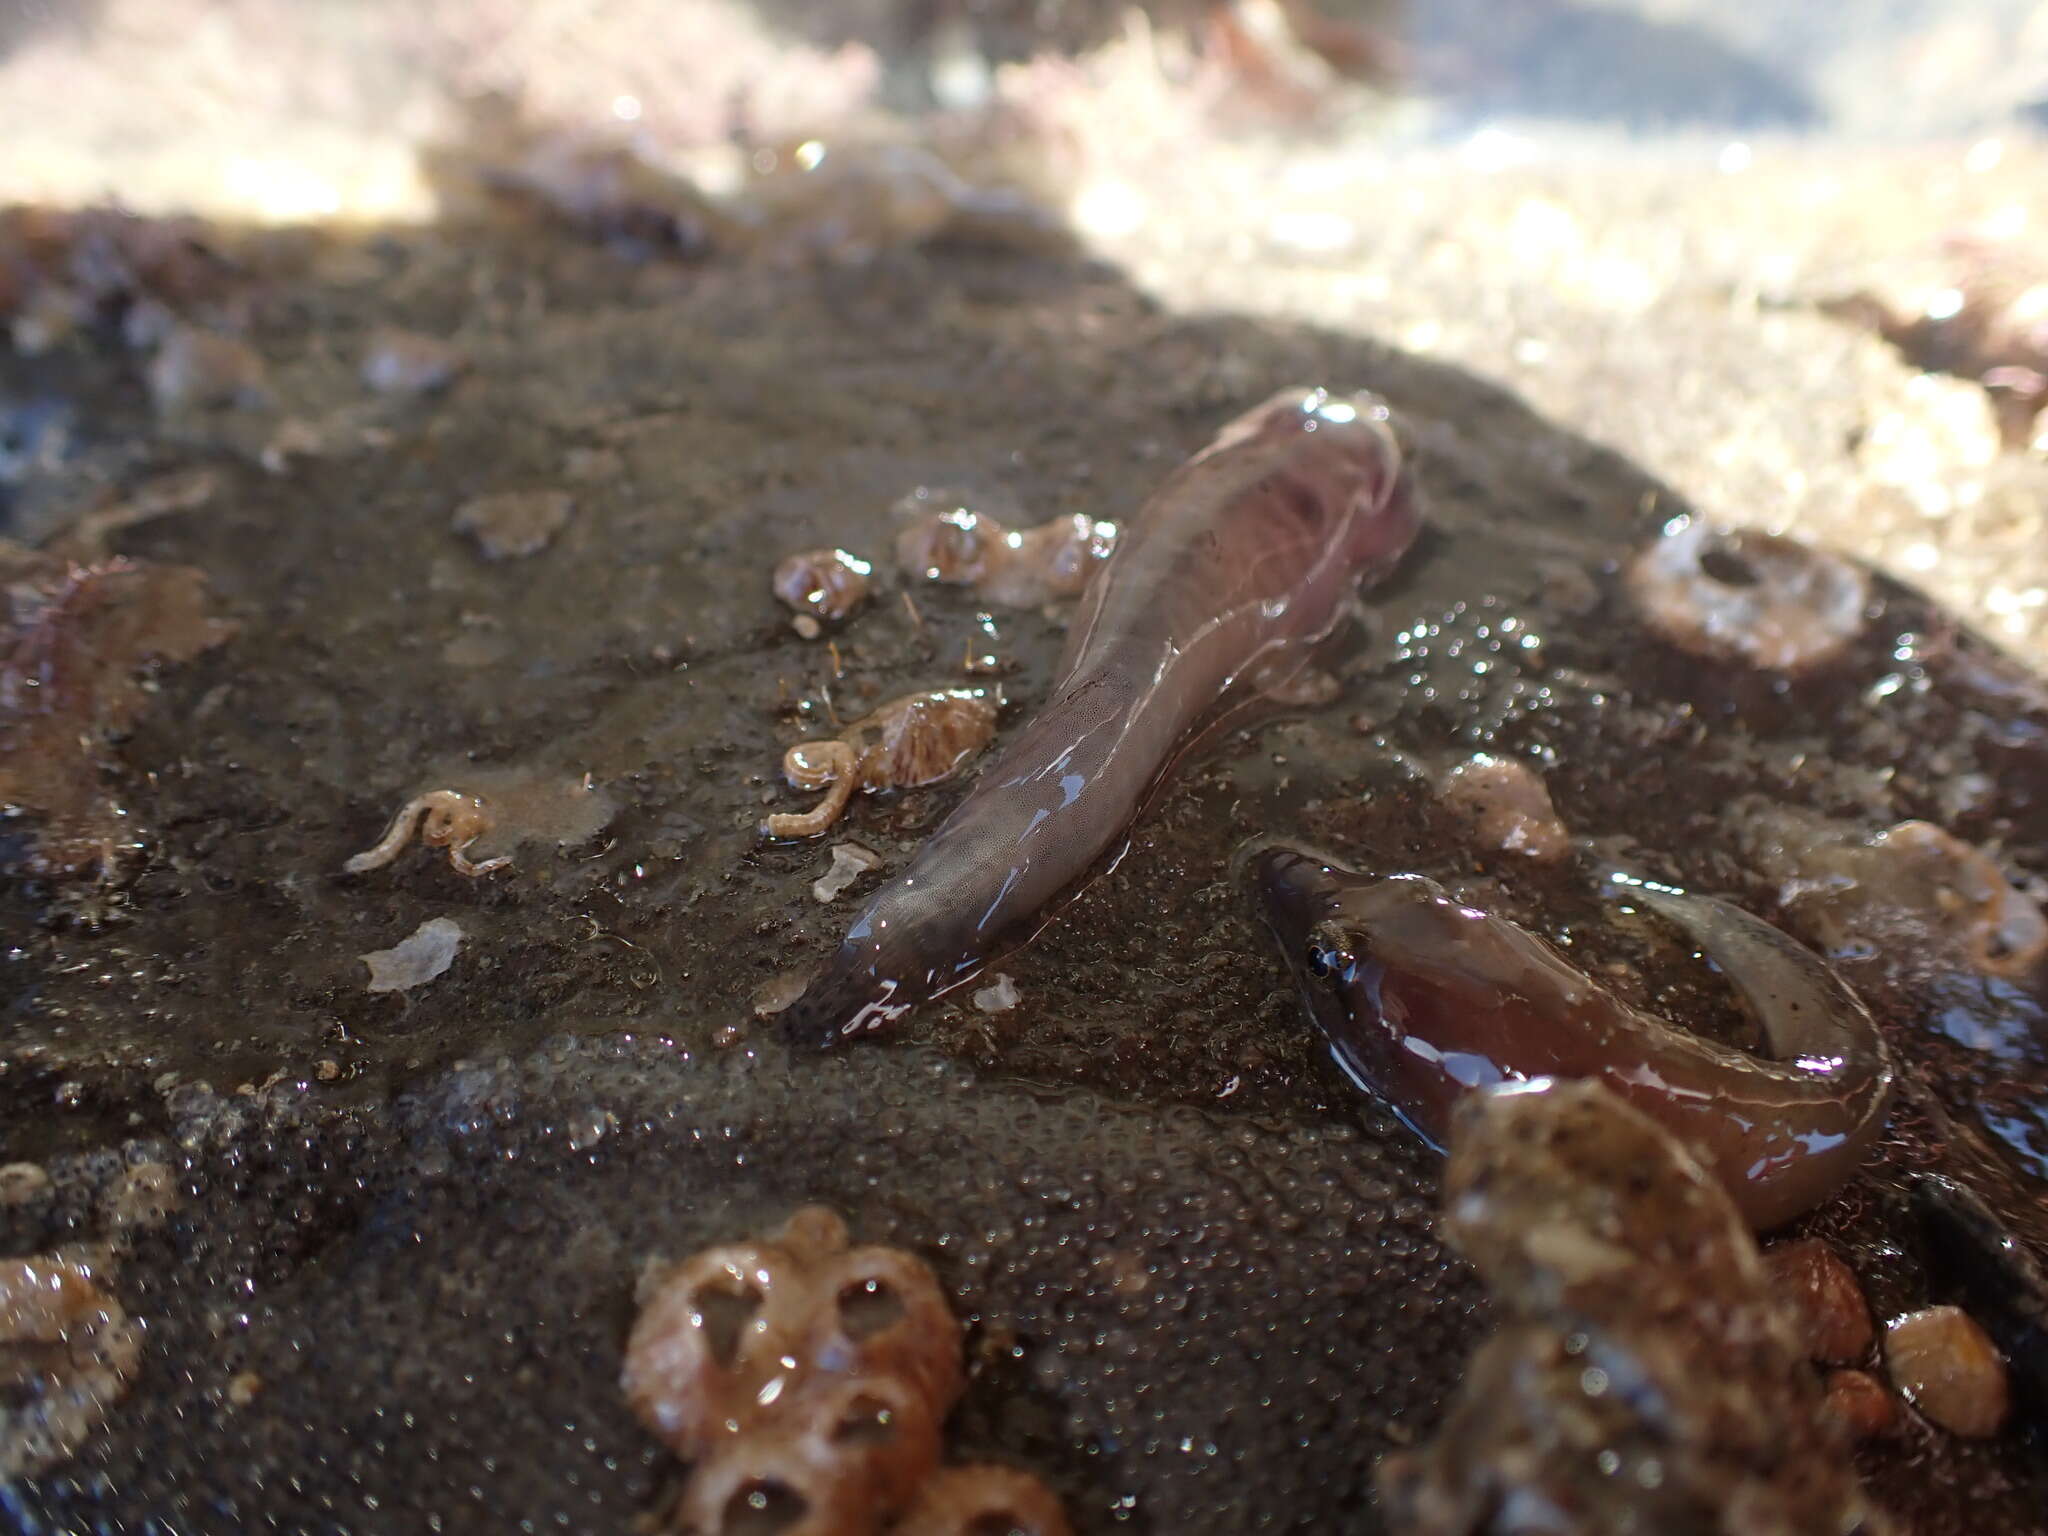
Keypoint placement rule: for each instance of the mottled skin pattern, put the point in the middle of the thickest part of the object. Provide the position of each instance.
(1235, 566)
(1643, 1378)
(1424, 998)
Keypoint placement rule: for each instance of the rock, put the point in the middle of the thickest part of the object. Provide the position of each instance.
(1824, 1297)
(514, 524)
(1509, 807)
(1639, 1376)
(1949, 1369)
(1861, 1402)
(196, 368)
(400, 362)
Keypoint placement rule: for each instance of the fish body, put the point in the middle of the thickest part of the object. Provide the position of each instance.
(1225, 578)
(1425, 999)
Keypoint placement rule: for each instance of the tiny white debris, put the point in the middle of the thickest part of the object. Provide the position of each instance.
(1230, 1087)
(849, 862)
(1000, 996)
(428, 952)
(1315, 232)
(1107, 209)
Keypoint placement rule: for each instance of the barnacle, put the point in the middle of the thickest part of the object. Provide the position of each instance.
(67, 1354)
(807, 1379)
(980, 1498)
(1760, 599)
(1011, 568)
(824, 583)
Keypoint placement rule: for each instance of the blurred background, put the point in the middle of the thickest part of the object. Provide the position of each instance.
(1787, 257)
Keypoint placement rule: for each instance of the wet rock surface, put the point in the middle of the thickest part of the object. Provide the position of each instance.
(1196, 1267)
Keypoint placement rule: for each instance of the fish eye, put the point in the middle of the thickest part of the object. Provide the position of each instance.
(1329, 959)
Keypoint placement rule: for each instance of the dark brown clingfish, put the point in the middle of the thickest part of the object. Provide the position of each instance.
(1224, 580)
(1424, 998)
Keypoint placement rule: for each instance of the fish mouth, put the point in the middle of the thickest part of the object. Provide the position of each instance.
(848, 999)
(1294, 886)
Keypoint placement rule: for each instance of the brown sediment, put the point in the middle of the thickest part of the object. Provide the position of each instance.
(401, 362)
(197, 369)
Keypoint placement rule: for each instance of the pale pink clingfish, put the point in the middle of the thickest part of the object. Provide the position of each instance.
(1222, 583)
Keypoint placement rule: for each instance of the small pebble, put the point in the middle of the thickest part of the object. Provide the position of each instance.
(327, 1071)
(1509, 807)
(513, 524)
(1946, 1366)
(592, 466)
(242, 1388)
(806, 627)
(417, 959)
(294, 439)
(400, 362)
(1861, 1402)
(203, 368)
(21, 1183)
(1823, 1296)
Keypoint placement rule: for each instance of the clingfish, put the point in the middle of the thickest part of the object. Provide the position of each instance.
(1424, 998)
(1238, 564)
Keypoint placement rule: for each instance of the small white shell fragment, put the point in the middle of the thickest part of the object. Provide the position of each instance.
(419, 958)
(1000, 996)
(849, 862)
